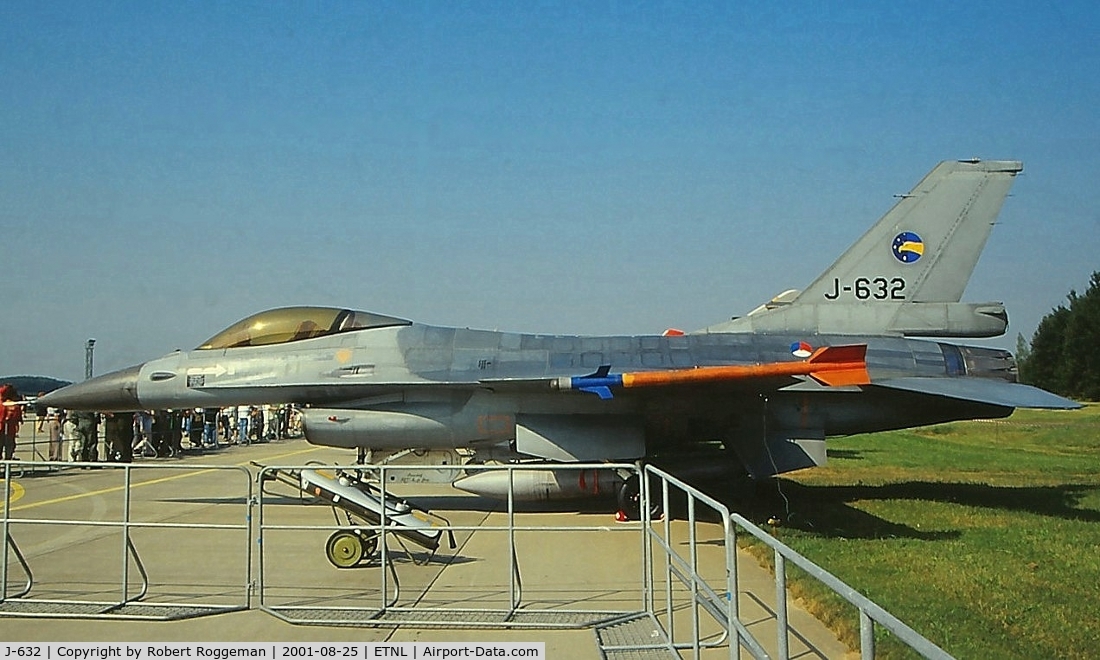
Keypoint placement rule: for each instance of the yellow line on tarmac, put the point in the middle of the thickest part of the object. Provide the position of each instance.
(17, 490)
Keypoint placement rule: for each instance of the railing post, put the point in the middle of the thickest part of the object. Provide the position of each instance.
(866, 635)
(125, 535)
(694, 558)
(514, 596)
(781, 606)
(383, 541)
(733, 611)
(7, 514)
(260, 578)
(649, 578)
(249, 583)
(667, 528)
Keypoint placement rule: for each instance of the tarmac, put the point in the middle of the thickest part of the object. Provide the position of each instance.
(227, 571)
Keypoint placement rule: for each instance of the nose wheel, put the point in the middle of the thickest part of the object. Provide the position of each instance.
(347, 548)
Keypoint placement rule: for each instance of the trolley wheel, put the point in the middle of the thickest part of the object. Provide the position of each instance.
(344, 549)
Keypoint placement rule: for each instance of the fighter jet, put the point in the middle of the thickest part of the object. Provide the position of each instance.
(861, 349)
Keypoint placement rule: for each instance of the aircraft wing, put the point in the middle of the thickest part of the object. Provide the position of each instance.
(982, 390)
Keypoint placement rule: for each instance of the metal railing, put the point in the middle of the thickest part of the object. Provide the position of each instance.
(722, 606)
(679, 562)
(870, 614)
(684, 587)
(135, 598)
(506, 599)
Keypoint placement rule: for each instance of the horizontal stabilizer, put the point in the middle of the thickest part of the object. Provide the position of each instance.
(983, 390)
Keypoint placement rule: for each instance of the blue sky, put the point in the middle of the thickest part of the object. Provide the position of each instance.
(588, 167)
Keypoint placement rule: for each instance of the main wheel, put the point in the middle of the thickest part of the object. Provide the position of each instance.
(344, 549)
(630, 500)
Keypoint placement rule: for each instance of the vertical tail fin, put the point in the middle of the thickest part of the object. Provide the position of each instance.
(907, 274)
(925, 247)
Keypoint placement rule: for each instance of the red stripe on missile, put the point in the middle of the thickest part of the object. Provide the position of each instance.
(830, 365)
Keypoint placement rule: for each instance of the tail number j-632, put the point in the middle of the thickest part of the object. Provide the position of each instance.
(869, 288)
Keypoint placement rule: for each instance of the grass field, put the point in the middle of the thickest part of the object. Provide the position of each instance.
(983, 536)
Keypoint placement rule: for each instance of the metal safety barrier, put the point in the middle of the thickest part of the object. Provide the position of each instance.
(151, 580)
(665, 585)
(471, 594)
(716, 598)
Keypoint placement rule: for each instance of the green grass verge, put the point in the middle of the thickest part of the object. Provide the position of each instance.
(982, 536)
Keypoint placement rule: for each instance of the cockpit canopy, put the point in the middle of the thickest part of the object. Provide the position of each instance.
(279, 326)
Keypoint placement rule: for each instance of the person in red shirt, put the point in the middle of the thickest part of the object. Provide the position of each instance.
(11, 416)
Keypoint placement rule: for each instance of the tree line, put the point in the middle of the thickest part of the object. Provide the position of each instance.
(1064, 354)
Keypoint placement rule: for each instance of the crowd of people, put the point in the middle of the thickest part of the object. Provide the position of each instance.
(79, 435)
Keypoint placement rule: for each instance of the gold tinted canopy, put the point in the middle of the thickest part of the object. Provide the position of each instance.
(287, 324)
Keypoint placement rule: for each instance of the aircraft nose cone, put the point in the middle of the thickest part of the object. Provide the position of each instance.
(113, 392)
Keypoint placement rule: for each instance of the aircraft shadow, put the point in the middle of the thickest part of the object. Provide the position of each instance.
(822, 510)
(828, 510)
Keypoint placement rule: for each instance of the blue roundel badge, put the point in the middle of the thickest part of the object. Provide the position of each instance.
(907, 247)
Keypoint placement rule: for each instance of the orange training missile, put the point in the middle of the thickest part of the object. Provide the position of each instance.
(834, 366)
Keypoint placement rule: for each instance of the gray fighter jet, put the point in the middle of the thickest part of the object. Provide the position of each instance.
(759, 393)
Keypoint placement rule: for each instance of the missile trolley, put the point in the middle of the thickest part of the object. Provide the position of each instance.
(363, 507)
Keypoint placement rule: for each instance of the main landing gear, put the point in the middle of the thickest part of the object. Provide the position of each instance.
(630, 500)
